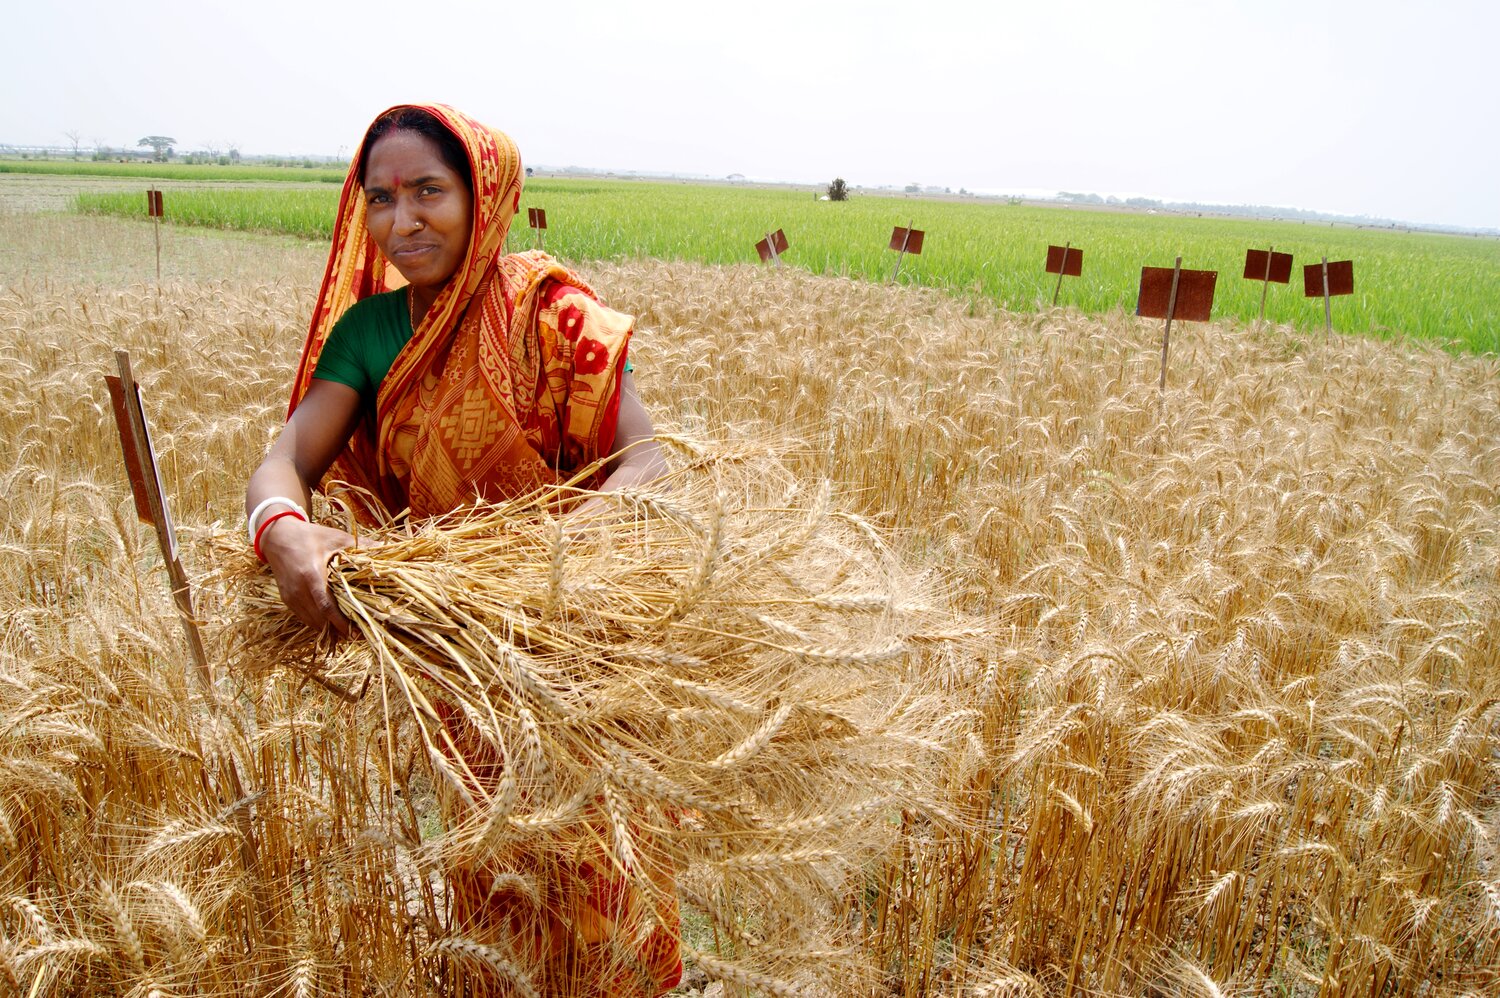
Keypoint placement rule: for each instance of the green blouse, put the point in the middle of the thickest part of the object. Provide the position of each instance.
(365, 341)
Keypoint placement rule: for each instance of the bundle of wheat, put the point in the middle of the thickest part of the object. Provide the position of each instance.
(711, 683)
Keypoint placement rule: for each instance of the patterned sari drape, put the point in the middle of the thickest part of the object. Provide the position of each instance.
(511, 381)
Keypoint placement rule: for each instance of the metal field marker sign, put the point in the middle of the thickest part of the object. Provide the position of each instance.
(1339, 278)
(150, 497)
(907, 240)
(1324, 280)
(1064, 261)
(772, 246)
(904, 241)
(1187, 298)
(1174, 293)
(537, 219)
(1267, 266)
(156, 210)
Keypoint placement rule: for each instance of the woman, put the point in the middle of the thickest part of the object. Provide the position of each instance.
(439, 371)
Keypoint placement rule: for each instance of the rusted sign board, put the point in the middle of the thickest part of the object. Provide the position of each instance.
(907, 240)
(155, 209)
(537, 218)
(1195, 294)
(1175, 294)
(772, 246)
(133, 470)
(903, 241)
(1268, 265)
(1324, 280)
(150, 498)
(1340, 279)
(1065, 261)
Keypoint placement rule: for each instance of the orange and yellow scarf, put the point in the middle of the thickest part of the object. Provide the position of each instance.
(510, 382)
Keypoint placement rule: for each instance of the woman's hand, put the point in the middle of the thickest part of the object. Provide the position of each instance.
(298, 554)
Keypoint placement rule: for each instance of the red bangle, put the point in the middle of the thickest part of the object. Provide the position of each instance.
(270, 520)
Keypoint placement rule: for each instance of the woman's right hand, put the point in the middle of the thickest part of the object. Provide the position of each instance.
(298, 554)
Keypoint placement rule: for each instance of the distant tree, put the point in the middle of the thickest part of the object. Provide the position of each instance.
(528, 171)
(914, 188)
(161, 146)
(75, 137)
(838, 190)
(234, 153)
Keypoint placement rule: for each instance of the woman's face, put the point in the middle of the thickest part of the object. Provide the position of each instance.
(417, 209)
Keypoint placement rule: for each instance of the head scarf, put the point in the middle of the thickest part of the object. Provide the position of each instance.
(510, 382)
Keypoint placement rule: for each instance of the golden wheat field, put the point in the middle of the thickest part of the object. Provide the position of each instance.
(960, 660)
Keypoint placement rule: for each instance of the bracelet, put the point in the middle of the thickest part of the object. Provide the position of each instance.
(270, 520)
(253, 528)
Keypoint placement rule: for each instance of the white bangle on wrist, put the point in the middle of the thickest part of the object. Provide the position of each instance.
(252, 523)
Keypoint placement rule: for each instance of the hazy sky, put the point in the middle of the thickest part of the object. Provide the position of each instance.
(1370, 107)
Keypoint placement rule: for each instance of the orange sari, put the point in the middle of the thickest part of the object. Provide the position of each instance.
(510, 382)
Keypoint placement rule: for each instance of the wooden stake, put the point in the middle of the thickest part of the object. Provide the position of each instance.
(1327, 309)
(902, 254)
(1061, 269)
(1166, 332)
(135, 441)
(1266, 284)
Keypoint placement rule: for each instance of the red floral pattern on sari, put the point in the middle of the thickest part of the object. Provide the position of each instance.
(591, 357)
(570, 323)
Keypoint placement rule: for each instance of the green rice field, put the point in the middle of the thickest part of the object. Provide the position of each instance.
(179, 171)
(1425, 285)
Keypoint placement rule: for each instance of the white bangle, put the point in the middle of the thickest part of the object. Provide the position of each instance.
(253, 520)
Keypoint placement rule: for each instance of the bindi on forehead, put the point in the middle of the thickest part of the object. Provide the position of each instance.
(398, 181)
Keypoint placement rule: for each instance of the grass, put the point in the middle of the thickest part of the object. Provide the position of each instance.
(178, 171)
(1231, 725)
(1439, 287)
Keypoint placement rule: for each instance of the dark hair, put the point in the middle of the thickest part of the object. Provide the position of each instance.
(414, 119)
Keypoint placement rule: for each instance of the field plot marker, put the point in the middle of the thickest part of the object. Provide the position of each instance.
(771, 247)
(1063, 260)
(151, 500)
(1266, 266)
(155, 210)
(1328, 279)
(1187, 295)
(537, 217)
(904, 241)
